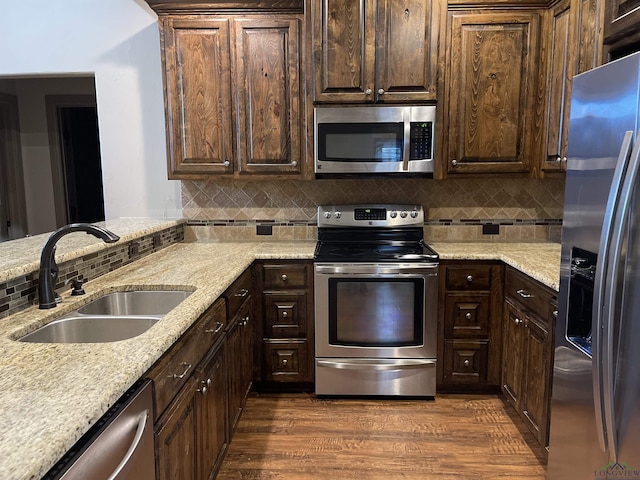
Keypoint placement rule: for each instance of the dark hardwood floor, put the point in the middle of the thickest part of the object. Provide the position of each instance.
(300, 437)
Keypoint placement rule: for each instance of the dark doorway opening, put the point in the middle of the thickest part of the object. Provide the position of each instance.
(82, 165)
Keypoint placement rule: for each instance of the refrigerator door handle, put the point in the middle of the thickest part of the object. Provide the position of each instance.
(604, 297)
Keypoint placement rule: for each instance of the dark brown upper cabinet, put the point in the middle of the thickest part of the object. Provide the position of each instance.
(622, 19)
(234, 97)
(367, 51)
(494, 102)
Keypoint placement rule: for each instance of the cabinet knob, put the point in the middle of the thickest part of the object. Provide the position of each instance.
(245, 321)
(285, 362)
(285, 314)
(469, 278)
(467, 363)
(381, 91)
(468, 316)
(294, 163)
(368, 91)
(203, 390)
(454, 163)
(517, 321)
(226, 163)
(284, 277)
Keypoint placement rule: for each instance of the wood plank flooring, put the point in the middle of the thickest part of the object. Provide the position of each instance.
(300, 437)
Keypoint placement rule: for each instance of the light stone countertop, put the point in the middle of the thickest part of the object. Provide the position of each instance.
(22, 256)
(50, 394)
(540, 261)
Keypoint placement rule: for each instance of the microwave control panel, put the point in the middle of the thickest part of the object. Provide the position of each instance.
(421, 138)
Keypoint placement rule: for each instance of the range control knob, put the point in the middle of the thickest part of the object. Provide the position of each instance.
(403, 214)
(337, 214)
(393, 214)
(327, 214)
(414, 213)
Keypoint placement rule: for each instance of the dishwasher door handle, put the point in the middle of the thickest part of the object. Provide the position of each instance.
(142, 425)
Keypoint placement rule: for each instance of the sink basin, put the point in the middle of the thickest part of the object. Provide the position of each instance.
(91, 329)
(110, 318)
(137, 302)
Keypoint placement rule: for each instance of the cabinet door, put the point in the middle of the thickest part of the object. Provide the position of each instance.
(407, 50)
(197, 96)
(267, 56)
(285, 314)
(512, 354)
(493, 102)
(535, 395)
(561, 68)
(344, 50)
(176, 437)
(234, 375)
(622, 17)
(211, 402)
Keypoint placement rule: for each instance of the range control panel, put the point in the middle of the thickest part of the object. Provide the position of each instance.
(391, 215)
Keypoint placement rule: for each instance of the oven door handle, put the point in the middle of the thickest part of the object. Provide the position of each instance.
(354, 365)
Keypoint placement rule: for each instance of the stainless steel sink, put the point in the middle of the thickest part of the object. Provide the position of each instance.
(91, 329)
(110, 318)
(137, 302)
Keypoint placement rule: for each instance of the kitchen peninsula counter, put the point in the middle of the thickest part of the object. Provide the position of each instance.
(50, 394)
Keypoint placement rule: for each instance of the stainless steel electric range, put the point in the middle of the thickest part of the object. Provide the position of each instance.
(376, 289)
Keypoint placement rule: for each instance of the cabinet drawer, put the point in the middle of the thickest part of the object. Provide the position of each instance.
(467, 316)
(476, 277)
(238, 292)
(293, 275)
(465, 362)
(285, 315)
(287, 361)
(173, 370)
(528, 294)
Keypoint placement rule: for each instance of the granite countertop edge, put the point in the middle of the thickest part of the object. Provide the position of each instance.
(40, 381)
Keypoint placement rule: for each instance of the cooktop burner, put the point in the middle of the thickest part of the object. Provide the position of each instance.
(395, 250)
(346, 251)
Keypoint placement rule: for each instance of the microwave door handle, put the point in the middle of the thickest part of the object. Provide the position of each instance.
(406, 117)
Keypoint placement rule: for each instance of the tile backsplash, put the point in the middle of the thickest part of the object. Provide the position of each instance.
(455, 209)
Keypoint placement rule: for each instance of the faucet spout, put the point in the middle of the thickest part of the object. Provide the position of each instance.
(48, 268)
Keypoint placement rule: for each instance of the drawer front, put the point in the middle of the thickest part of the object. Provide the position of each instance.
(467, 316)
(465, 362)
(238, 293)
(527, 293)
(173, 370)
(476, 277)
(285, 315)
(287, 361)
(293, 275)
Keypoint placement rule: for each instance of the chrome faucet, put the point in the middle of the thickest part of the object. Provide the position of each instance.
(48, 266)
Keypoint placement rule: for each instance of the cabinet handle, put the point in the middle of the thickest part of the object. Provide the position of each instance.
(454, 163)
(294, 163)
(555, 314)
(524, 294)
(368, 91)
(284, 277)
(467, 363)
(468, 316)
(242, 293)
(381, 91)
(217, 329)
(226, 163)
(182, 375)
(469, 278)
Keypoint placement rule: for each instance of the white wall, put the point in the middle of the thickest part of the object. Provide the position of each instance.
(118, 42)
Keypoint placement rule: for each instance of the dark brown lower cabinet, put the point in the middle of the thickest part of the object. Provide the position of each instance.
(239, 363)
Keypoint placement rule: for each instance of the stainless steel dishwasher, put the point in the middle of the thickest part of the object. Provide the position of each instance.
(118, 447)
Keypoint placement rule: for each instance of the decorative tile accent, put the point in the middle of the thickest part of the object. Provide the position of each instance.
(20, 293)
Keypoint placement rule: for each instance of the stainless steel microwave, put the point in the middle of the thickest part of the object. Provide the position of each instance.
(374, 140)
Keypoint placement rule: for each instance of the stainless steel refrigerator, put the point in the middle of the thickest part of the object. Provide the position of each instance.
(595, 407)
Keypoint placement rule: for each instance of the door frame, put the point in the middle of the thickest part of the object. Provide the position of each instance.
(53, 104)
(12, 171)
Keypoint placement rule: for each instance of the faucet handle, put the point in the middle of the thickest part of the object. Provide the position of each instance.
(76, 287)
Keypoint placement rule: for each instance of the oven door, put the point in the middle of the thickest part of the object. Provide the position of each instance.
(376, 310)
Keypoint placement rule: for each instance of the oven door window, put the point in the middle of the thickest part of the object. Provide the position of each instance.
(360, 142)
(377, 312)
